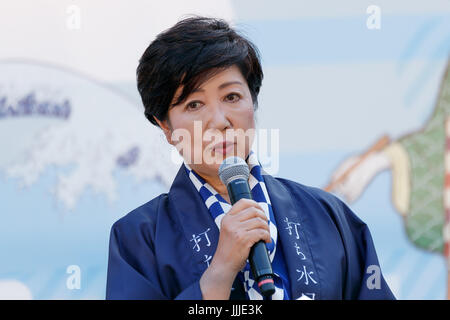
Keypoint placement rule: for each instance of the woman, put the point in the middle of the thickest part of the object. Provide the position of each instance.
(191, 243)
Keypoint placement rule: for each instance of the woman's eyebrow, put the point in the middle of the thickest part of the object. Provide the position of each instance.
(223, 85)
(226, 84)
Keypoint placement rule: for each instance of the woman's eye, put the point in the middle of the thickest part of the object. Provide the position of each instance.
(233, 97)
(193, 105)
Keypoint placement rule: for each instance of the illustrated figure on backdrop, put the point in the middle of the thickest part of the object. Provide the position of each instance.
(420, 164)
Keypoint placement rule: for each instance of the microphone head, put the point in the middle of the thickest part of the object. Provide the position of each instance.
(233, 168)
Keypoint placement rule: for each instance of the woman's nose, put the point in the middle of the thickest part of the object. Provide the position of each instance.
(218, 118)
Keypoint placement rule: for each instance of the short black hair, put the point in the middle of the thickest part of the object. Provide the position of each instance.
(189, 53)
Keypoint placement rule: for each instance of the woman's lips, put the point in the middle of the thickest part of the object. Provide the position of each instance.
(224, 147)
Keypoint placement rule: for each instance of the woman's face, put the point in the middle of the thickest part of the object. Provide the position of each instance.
(220, 111)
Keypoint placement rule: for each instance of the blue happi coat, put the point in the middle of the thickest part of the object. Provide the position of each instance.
(161, 249)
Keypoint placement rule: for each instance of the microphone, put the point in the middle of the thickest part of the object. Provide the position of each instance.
(234, 173)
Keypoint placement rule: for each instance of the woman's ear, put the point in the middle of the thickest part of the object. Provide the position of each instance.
(166, 128)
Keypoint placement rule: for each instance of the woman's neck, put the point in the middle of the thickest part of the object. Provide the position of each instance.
(218, 185)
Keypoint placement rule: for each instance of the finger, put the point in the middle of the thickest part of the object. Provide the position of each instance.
(251, 213)
(243, 204)
(255, 223)
(256, 235)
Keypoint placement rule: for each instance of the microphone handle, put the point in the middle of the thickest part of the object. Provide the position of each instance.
(259, 256)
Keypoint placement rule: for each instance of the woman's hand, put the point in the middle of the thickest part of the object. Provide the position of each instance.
(243, 226)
